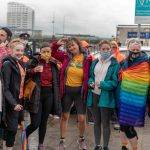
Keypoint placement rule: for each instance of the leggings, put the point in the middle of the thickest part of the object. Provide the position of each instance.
(39, 120)
(129, 131)
(101, 116)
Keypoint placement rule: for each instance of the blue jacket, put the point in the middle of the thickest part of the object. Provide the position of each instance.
(108, 86)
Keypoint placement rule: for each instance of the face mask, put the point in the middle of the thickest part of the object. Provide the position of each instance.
(105, 55)
(61, 48)
(134, 55)
(45, 56)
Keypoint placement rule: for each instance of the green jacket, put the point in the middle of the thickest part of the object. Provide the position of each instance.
(108, 86)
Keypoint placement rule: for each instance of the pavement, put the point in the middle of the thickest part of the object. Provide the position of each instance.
(52, 136)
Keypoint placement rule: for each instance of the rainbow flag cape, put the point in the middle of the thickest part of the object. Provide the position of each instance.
(133, 94)
(23, 135)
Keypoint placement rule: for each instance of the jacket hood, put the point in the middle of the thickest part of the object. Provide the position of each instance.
(120, 57)
(13, 62)
(117, 47)
(112, 59)
(10, 59)
(143, 58)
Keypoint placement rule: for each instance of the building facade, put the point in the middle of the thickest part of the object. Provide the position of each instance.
(20, 18)
(125, 32)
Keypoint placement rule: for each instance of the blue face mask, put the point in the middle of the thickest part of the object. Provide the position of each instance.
(105, 55)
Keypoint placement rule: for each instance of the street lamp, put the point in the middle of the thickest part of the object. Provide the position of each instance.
(63, 25)
(53, 22)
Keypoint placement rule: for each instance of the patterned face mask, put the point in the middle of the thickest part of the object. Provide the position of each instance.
(133, 55)
(45, 56)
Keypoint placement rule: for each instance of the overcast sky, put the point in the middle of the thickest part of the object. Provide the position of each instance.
(94, 17)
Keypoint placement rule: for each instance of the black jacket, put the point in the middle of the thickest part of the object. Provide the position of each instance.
(3, 115)
(11, 88)
(33, 104)
(12, 80)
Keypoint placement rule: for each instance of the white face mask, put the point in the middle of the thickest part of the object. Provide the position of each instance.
(61, 48)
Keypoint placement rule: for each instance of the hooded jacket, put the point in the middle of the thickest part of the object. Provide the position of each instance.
(120, 57)
(11, 89)
(108, 86)
(12, 80)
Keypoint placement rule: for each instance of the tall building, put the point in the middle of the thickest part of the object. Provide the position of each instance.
(20, 18)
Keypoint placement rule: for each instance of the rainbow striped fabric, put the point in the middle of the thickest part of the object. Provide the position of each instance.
(133, 94)
(23, 136)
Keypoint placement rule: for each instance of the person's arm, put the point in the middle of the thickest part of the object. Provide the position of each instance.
(6, 73)
(59, 64)
(54, 46)
(56, 53)
(32, 67)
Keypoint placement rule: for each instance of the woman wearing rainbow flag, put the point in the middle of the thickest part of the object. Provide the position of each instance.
(134, 77)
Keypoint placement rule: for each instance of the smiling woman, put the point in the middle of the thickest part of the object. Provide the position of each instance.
(73, 88)
(13, 70)
(17, 49)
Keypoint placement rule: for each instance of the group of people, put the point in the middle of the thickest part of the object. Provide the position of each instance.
(63, 74)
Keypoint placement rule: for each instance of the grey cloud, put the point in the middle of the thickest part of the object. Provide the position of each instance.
(94, 17)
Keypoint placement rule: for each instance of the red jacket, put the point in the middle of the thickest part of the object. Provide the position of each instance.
(86, 69)
(56, 53)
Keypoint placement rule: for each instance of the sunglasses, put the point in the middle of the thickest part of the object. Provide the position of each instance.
(113, 47)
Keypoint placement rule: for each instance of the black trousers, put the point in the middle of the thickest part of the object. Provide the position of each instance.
(12, 120)
(9, 137)
(39, 120)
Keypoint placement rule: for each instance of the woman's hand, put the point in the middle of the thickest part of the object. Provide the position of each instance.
(38, 68)
(59, 66)
(62, 41)
(4, 44)
(98, 84)
(18, 107)
(92, 85)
